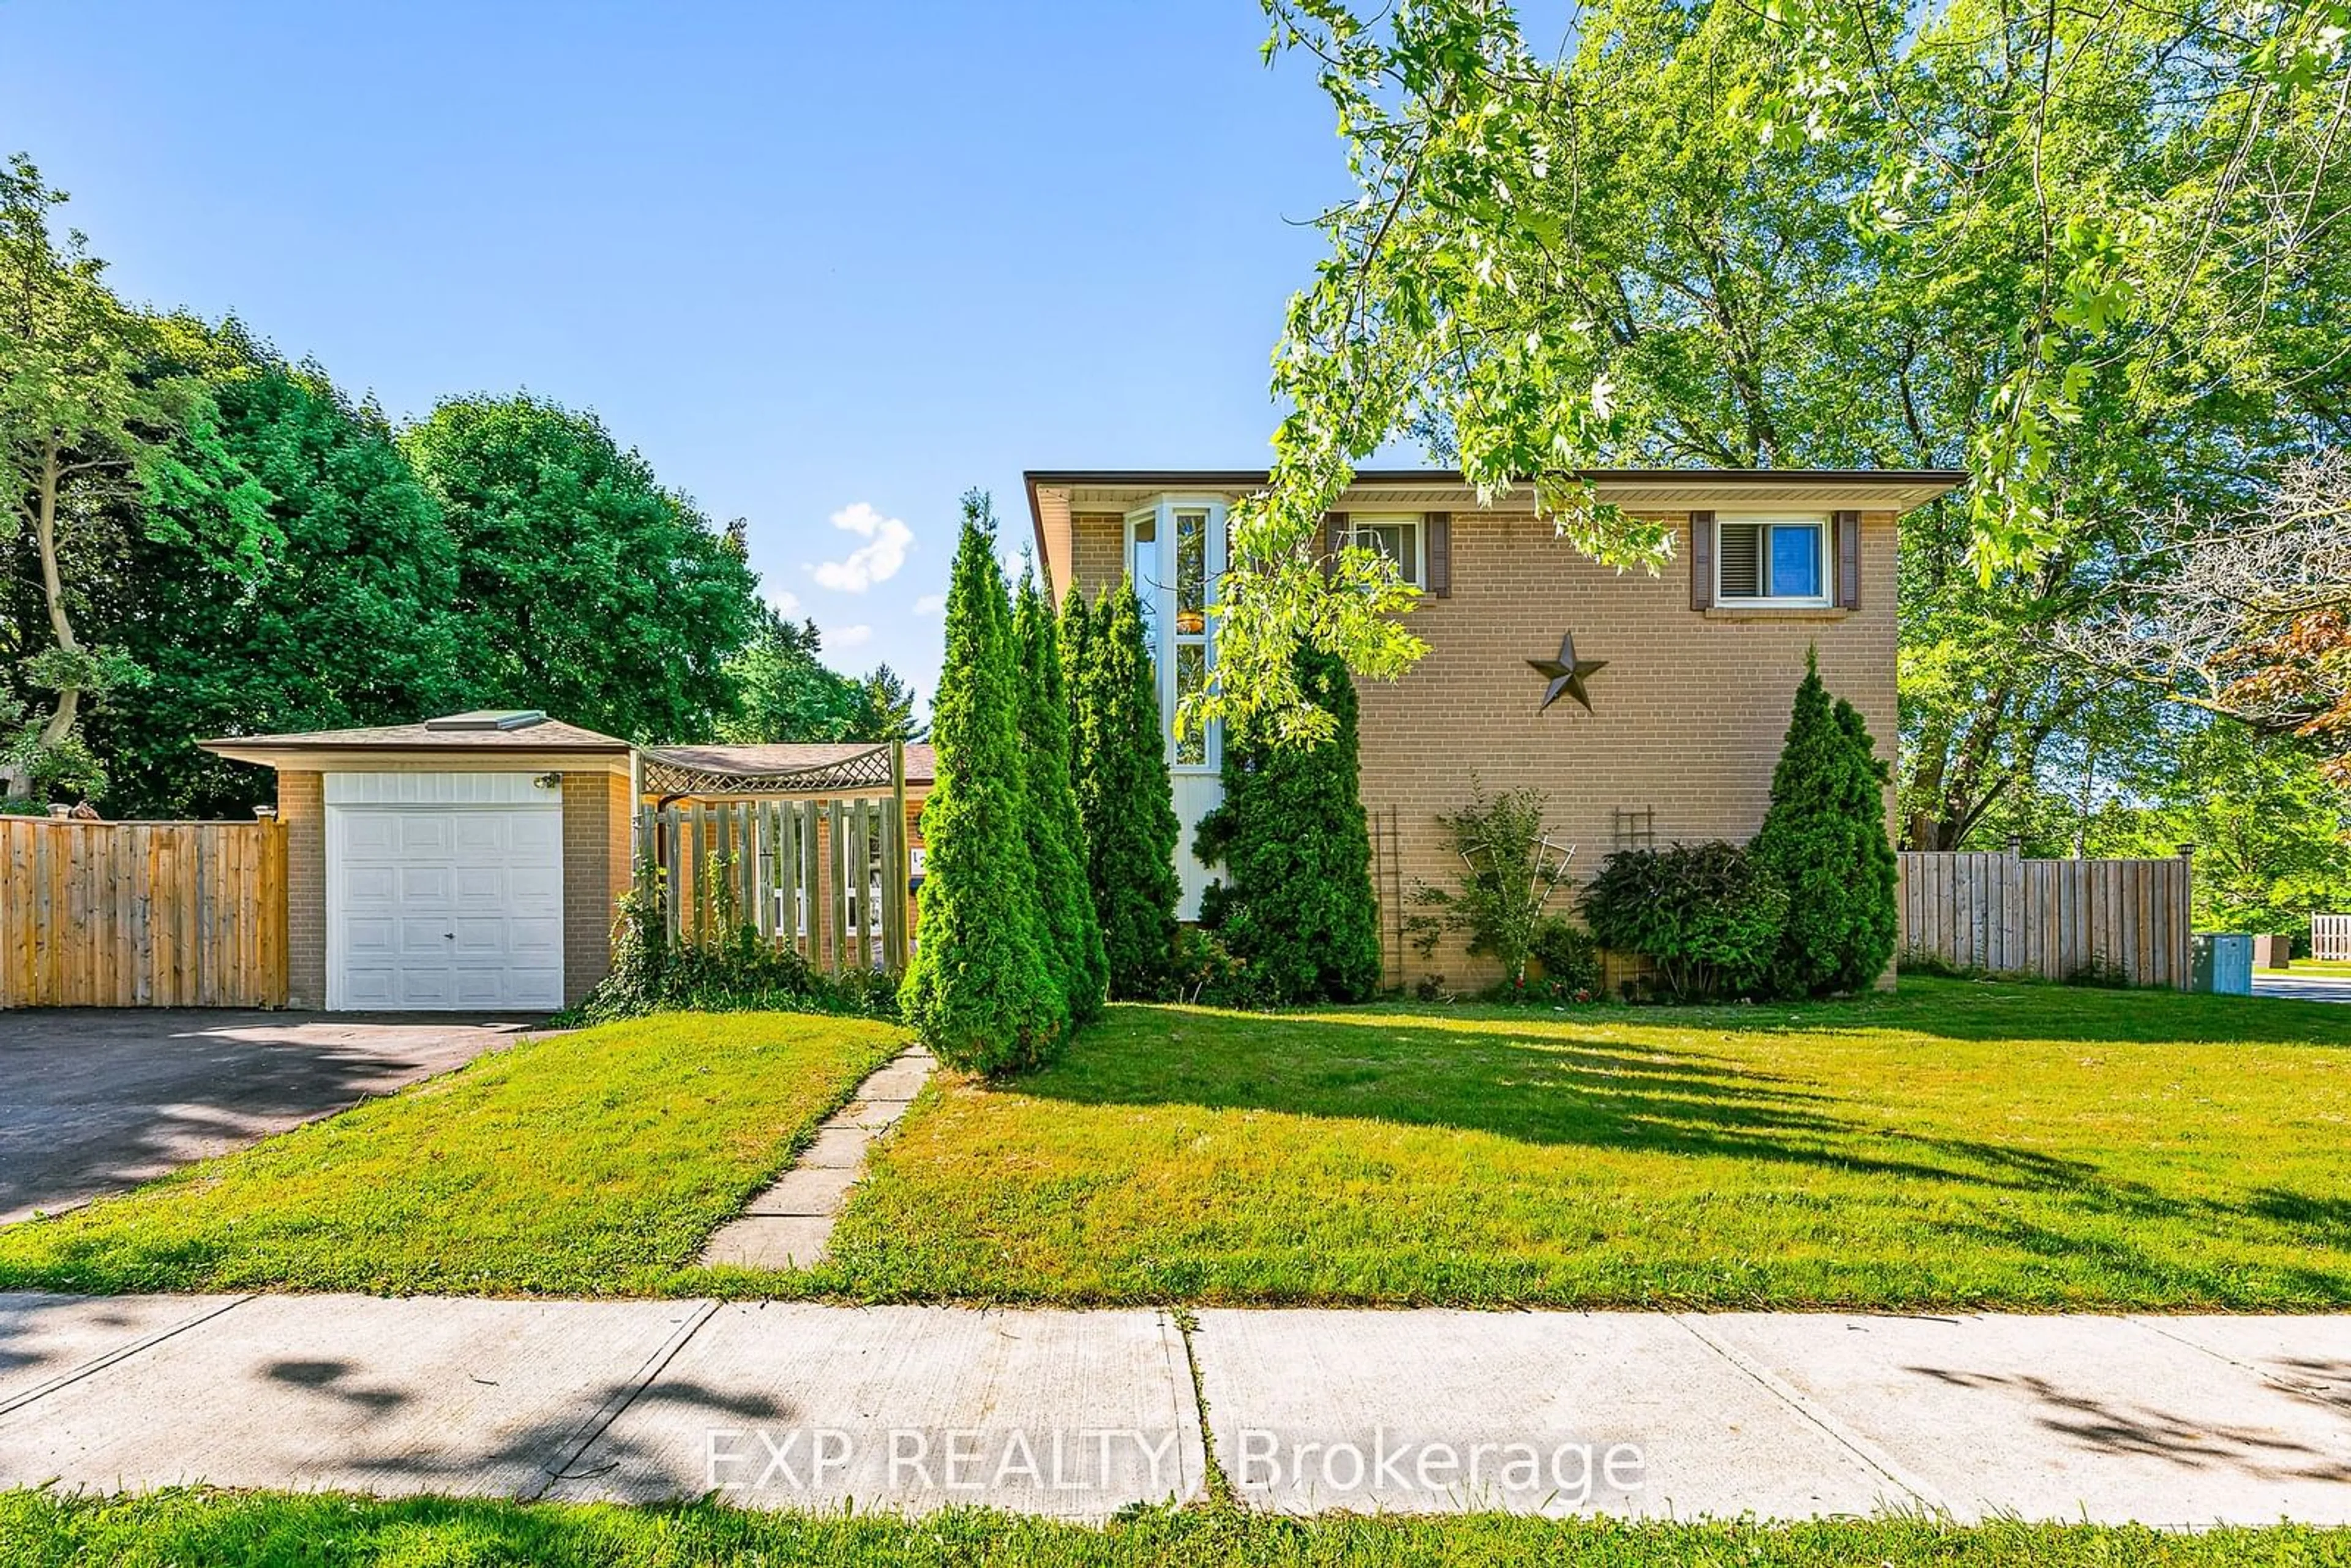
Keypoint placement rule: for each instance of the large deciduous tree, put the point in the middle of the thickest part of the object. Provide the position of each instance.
(593, 591)
(2089, 255)
(2247, 615)
(2272, 833)
(979, 988)
(343, 617)
(783, 690)
(88, 417)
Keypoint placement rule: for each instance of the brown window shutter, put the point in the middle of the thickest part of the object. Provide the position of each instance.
(1848, 560)
(1334, 540)
(1437, 530)
(1701, 561)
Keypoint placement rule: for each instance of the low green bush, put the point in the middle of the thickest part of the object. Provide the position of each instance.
(1207, 971)
(1569, 957)
(1708, 916)
(1932, 965)
(739, 971)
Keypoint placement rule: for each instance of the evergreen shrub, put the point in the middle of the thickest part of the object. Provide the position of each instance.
(1298, 910)
(1709, 916)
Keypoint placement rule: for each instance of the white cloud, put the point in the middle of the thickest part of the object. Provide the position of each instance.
(930, 604)
(887, 541)
(786, 601)
(838, 637)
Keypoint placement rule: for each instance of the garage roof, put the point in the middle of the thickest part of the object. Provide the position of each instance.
(460, 740)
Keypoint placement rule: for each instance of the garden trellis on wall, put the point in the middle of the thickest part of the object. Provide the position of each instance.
(812, 858)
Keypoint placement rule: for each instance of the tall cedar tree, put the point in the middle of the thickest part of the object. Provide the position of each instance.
(1077, 663)
(1877, 924)
(1075, 954)
(979, 990)
(1130, 826)
(1291, 833)
(1824, 839)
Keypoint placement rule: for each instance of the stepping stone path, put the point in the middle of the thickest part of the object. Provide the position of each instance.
(787, 1226)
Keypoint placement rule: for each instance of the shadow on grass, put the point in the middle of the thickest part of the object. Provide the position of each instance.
(1992, 1010)
(1492, 1072)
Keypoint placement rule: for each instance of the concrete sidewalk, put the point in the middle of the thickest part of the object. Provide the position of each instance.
(2176, 1421)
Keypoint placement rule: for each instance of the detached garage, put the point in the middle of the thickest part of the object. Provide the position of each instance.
(467, 863)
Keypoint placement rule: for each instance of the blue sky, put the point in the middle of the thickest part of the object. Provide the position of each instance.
(815, 261)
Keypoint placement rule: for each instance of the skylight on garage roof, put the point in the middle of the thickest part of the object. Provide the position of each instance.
(490, 718)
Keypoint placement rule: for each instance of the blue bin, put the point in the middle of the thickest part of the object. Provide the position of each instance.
(2223, 964)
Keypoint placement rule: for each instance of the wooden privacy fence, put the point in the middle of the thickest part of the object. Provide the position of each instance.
(2060, 919)
(136, 914)
(815, 875)
(2330, 936)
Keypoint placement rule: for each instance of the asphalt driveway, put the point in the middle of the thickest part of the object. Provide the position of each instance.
(94, 1100)
(2303, 985)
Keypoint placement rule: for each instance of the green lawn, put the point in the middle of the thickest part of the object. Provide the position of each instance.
(587, 1163)
(1961, 1144)
(1958, 1145)
(185, 1530)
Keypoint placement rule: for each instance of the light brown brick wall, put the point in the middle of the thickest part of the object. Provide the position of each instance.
(1098, 550)
(302, 807)
(596, 848)
(1690, 714)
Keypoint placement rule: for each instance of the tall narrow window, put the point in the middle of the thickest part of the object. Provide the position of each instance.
(1191, 573)
(1175, 549)
(1143, 566)
(1191, 624)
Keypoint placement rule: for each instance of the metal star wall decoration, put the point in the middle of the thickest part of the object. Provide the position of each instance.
(1566, 673)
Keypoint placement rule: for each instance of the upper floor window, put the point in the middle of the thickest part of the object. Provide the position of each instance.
(1191, 626)
(1398, 539)
(1778, 561)
(1176, 550)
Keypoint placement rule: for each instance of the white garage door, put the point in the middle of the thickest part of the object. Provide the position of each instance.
(443, 891)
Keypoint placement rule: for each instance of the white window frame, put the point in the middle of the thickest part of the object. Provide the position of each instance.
(1415, 530)
(1160, 592)
(1818, 523)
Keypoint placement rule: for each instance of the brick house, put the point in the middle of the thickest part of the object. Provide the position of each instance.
(1701, 661)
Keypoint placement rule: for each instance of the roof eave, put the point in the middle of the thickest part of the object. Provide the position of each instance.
(1903, 489)
(298, 756)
